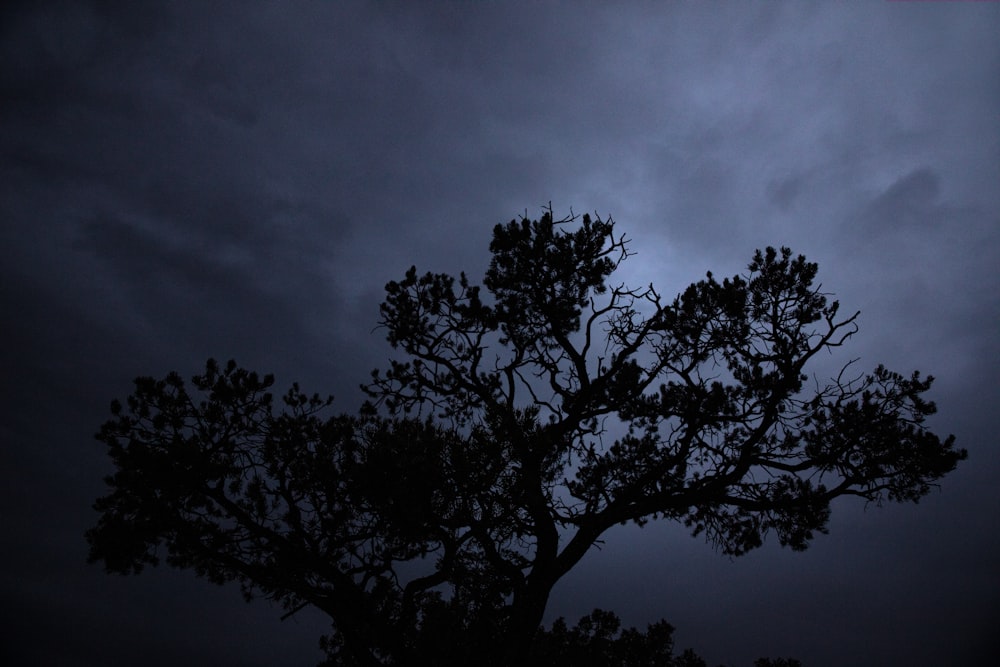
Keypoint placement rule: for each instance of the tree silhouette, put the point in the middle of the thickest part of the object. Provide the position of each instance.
(515, 428)
(598, 641)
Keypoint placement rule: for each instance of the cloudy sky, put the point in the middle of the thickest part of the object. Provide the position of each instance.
(239, 180)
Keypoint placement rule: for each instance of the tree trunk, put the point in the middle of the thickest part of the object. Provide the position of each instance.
(526, 617)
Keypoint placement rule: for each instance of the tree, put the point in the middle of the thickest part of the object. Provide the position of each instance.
(515, 428)
(598, 641)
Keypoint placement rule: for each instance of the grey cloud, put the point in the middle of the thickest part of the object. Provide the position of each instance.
(783, 192)
(909, 203)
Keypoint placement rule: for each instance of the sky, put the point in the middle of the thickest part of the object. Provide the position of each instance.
(185, 180)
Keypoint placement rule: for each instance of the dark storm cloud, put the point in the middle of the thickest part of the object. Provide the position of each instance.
(926, 253)
(235, 179)
(140, 146)
(783, 192)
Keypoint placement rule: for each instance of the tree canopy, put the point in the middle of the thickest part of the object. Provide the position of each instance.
(519, 421)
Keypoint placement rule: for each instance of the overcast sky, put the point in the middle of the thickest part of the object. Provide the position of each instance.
(240, 180)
